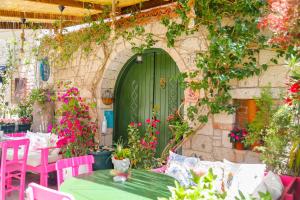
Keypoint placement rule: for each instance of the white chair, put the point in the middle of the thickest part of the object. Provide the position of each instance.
(38, 192)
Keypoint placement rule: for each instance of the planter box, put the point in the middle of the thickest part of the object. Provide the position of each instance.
(102, 160)
(24, 127)
(292, 188)
(8, 128)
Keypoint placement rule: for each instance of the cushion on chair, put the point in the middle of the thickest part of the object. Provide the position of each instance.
(271, 183)
(34, 157)
(39, 140)
(246, 178)
(179, 167)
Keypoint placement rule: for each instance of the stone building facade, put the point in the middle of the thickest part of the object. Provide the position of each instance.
(99, 71)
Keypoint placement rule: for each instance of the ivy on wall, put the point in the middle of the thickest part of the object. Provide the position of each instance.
(232, 47)
(232, 53)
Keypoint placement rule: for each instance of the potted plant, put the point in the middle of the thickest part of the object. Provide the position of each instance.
(120, 158)
(237, 137)
(42, 108)
(102, 156)
(24, 111)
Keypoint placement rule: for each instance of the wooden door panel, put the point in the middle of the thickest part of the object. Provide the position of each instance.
(134, 95)
(167, 95)
(140, 87)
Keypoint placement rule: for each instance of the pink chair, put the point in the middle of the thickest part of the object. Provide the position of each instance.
(74, 164)
(38, 192)
(45, 167)
(13, 168)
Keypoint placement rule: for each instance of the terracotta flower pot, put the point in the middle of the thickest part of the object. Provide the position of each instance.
(239, 146)
(255, 144)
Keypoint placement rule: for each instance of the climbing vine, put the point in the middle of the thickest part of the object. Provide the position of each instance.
(234, 42)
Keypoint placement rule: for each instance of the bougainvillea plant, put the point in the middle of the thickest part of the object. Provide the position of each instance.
(143, 147)
(74, 127)
(237, 135)
(282, 19)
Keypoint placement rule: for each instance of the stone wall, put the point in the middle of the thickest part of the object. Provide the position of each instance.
(100, 70)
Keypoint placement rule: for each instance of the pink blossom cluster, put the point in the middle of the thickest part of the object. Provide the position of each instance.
(280, 20)
(75, 130)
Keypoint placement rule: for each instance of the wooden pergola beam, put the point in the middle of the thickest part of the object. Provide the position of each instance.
(145, 5)
(31, 15)
(18, 25)
(71, 3)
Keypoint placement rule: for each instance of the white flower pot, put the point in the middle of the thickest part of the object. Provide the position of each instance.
(121, 165)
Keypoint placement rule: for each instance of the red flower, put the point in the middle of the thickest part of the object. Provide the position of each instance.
(157, 132)
(295, 88)
(154, 125)
(131, 124)
(61, 142)
(148, 121)
(139, 124)
(288, 101)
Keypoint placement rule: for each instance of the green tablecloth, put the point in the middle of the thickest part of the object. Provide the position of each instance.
(100, 186)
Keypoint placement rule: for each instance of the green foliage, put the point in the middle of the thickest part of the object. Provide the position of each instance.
(138, 33)
(41, 95)
(276, 141)
(281, 143)
(203, 189)
(61, 48)
(24, 109)
(265, 111)
(7, 75)
(121, 153)
(143, 146)
(262, 196)
(234, 42)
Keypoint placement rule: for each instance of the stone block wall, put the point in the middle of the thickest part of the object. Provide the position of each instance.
(99, 72)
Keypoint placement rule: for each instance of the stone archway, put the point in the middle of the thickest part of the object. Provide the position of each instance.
(120, 55)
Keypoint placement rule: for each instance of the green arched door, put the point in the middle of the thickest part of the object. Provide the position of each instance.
(141, 86)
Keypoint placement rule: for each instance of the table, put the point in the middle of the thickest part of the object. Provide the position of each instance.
(100, 186)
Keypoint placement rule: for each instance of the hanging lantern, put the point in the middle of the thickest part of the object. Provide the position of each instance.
(139, 58)
(107, 97)
(60, 32)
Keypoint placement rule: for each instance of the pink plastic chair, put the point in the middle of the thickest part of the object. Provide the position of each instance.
(13, 168)
(73, 163)
(45, 167)
(38, 192)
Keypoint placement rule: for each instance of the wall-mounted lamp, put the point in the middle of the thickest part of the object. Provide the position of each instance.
(107, 97)
(139, 58)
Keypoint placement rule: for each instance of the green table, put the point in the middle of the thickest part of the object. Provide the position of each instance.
(100, 186)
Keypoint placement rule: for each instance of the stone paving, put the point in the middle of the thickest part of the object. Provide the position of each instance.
(33, 178)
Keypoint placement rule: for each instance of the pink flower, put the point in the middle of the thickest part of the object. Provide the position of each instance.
(139, 124)
(232, 135)
(131, 124)
(148, 121)
(237, 137)
(50, 128)
(61, 142)
(157, 132)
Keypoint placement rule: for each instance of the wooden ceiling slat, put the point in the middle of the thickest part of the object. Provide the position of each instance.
(18, 25)
(71, 3)
(8, 13)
